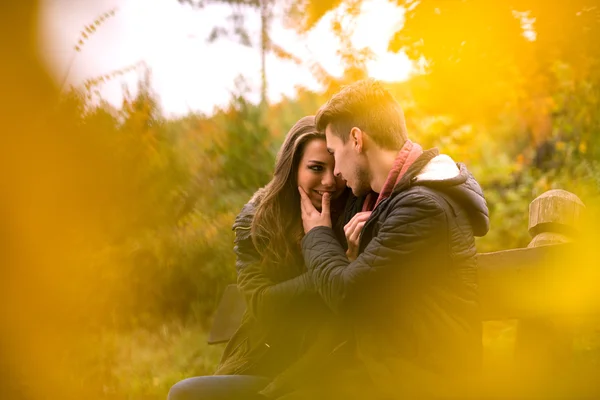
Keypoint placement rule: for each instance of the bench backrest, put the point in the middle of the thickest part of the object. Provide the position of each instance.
(514, 284)
(552, 277)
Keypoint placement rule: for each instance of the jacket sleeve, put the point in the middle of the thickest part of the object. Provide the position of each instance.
(265, 298)
(412, 224)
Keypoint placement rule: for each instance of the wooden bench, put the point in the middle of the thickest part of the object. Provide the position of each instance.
(534, 285)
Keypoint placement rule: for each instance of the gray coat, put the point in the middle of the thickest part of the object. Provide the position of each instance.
(412, 293)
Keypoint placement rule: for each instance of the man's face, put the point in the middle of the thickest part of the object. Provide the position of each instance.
(350, 163)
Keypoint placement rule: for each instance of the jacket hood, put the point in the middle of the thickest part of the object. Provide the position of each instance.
(440, 172)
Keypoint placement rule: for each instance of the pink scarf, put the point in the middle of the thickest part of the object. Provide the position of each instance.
(406, 157)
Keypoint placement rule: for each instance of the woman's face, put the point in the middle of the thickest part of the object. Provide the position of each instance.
(315, 173)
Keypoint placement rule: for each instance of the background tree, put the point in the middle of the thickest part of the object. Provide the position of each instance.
(117, 220)
(239, 32)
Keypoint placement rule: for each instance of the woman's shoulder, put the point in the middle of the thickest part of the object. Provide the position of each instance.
(246, 215)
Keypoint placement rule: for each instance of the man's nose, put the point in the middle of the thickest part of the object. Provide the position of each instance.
(337, 173)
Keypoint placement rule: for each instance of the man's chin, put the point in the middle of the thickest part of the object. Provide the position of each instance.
(360, 191)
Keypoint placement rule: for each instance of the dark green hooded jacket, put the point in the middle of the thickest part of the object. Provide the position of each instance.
(286, 326)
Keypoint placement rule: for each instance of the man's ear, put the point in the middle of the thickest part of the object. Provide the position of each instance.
(358, 139)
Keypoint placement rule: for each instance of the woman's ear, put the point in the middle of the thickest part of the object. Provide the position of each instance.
(358, 139)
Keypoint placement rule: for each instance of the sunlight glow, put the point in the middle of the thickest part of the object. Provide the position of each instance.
(189, 74)
(377, 23)
(373, 28)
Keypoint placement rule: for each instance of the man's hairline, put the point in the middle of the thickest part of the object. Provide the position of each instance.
(334, 132)
(329, 149)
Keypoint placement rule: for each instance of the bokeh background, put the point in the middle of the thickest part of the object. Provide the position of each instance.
(116, 213)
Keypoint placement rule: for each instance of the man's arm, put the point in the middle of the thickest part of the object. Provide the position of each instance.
(414, 223)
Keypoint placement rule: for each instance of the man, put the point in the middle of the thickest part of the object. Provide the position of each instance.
(409, 285)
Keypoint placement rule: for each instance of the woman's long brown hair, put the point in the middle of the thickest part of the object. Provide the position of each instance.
(277, 224)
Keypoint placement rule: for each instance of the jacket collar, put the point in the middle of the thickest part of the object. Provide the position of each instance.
(407, 155)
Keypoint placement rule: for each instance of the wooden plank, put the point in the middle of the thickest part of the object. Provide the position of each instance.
(228, 315)
(559, 279)
(513, 284)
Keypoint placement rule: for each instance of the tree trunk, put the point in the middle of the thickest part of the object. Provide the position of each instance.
(264, 46)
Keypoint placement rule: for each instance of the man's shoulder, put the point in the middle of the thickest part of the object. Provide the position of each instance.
(419, 195)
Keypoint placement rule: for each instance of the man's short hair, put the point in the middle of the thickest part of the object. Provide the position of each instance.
(367, 105)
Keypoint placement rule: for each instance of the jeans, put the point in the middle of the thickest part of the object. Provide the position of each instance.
(219, 387)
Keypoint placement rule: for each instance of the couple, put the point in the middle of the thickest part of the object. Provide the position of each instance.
(370, 294)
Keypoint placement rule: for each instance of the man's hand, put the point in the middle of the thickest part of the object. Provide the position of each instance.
(352, 231)
(311, 217)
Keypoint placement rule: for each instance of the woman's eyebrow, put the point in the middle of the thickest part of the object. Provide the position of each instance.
(316, 162)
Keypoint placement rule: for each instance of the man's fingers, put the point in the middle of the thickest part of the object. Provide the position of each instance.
(349, 227)
(361, 216)
(356, 219)
(356, 233)
(352, 231)
(325, 203)
(365, 215)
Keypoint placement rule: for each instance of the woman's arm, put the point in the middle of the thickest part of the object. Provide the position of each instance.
(265, 298)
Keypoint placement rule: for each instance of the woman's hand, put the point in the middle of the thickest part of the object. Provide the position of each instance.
(352, 231)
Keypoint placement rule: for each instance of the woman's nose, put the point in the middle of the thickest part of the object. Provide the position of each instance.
(328, 179)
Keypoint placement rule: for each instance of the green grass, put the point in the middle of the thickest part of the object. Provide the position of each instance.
(144, 364)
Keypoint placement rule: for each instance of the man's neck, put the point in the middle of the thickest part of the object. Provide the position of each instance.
(380, 162)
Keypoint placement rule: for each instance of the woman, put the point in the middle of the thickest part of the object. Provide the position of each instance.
(285, 318)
